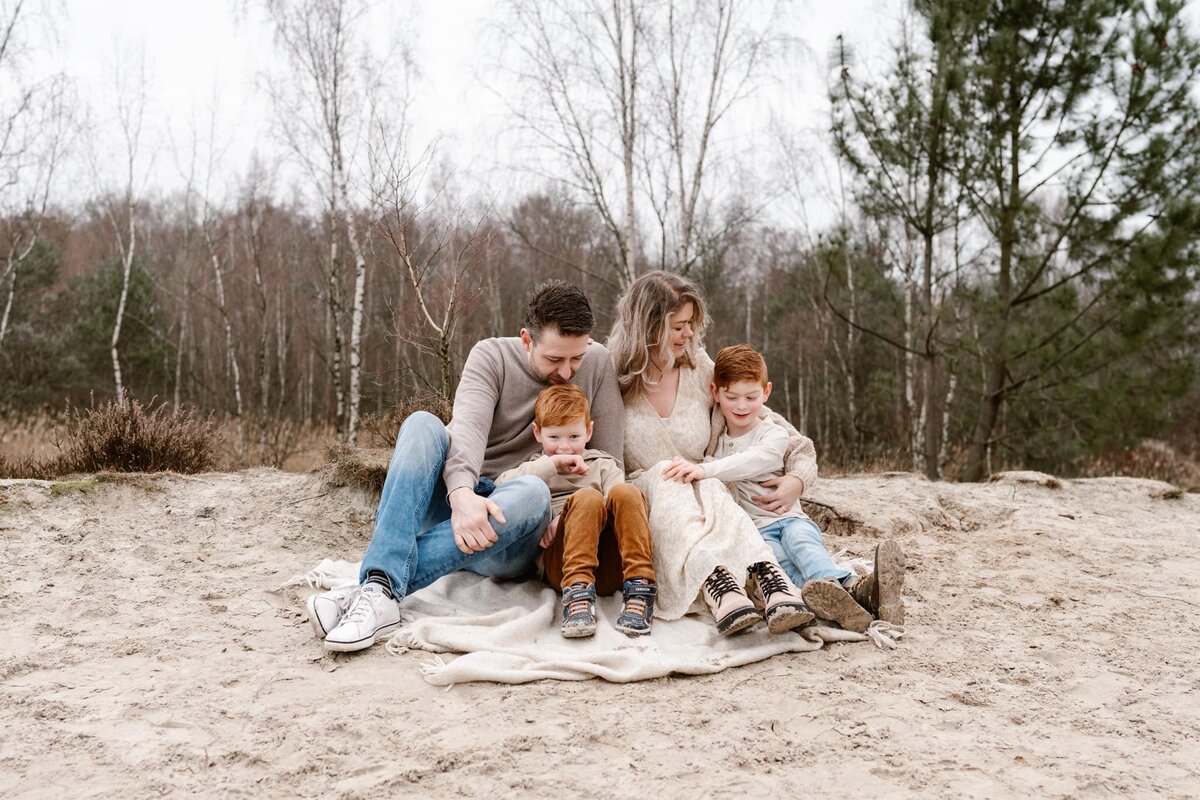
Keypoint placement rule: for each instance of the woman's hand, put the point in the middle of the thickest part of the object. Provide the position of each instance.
(684, 471)
(788, 489)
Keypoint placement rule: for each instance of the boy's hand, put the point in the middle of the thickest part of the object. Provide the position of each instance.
(788, 489)
(683, 471)
(469, 513)
(551, 532)
(570, 464)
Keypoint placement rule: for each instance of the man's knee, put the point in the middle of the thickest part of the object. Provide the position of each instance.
(421, 436)
(423, 423)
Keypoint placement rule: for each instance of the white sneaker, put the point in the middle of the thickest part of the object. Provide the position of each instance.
(325, 609)
(371, 614)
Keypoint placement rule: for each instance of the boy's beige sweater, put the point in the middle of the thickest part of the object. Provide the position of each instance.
(745, 461)
(603, 474)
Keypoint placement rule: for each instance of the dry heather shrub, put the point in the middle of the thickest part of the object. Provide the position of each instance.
(121, 436)
(361, 467)
(27, 466)
(124, 435)
(380, 429)
(1150, 458)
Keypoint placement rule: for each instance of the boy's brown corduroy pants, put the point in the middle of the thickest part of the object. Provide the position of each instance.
(605, 541)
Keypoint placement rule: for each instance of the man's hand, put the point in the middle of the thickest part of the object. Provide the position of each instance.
(567, 463)
(469, 513)
(788, 489)
(684, 471)
(551, 532)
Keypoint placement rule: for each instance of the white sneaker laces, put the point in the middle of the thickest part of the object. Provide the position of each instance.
(361, 603)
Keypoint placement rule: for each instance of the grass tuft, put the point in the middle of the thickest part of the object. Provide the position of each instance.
(123, 435)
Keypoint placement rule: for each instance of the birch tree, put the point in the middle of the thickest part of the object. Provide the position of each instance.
(321, 107)
(36, 127)
(128, 114)
(713, 57)
(627, 102)
(438, 256)
(583, 64)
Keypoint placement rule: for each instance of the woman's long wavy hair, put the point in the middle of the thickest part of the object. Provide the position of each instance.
(641, 336)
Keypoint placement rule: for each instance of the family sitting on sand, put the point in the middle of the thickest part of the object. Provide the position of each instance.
(531, 473)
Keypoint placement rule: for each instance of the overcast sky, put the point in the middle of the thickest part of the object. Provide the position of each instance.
(204, 49)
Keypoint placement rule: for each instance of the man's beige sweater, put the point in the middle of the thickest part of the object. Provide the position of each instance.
(492, 426)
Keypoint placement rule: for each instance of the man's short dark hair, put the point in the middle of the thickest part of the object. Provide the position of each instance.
(559, 305)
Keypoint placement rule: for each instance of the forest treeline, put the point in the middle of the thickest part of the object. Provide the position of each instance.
(1009, 278)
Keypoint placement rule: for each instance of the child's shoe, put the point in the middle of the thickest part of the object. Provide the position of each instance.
(727, 601)
(579, 610)
(780, 600)
(828, 599)
(638, 607)
(879, 592)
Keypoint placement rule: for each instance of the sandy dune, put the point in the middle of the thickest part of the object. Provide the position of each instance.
(1052, 651)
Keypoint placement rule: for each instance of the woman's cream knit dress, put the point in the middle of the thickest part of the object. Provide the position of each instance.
(695, 526)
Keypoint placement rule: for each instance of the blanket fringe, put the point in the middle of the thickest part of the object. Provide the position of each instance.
(316, 578)
(303, 579)
(859, 566)
(432, 667)
(885, 635)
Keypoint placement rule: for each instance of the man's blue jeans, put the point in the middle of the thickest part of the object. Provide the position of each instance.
(796, 542)
(413, 542)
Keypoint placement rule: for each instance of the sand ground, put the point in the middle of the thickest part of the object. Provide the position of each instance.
(1052, 651)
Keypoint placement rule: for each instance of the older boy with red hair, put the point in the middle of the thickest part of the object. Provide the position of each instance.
(752, 450)
(604, 544)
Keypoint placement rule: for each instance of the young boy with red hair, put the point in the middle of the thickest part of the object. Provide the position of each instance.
(752, 450)
(599, 538)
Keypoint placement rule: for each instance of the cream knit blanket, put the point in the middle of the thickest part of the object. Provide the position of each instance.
(507, 632)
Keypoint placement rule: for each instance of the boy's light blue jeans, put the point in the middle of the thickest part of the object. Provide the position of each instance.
(797, 545)
(413, 541)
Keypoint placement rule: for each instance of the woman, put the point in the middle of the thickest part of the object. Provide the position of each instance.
(702, 539)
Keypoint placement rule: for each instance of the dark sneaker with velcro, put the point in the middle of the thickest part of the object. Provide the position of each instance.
(579, 610)
(638, 607)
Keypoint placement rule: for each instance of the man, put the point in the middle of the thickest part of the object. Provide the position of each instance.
(440, 510)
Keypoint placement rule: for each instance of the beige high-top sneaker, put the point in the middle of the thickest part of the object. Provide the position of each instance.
(879, 592)
(780, 599)
(727, 601)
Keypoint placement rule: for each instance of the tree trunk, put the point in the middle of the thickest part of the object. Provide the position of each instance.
(10, 273)
(916, 419)
(944, 452)
(356, 319)
(231, 363)
(126, 269)
(333, 299)
(996, 364)
(930, 418)
(180, 348)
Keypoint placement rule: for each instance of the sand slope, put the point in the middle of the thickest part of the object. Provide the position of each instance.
(1052, 650)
